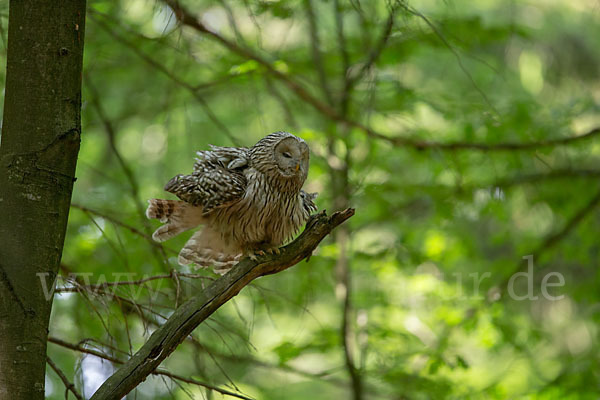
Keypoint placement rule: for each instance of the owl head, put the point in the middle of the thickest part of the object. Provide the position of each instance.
(291, 157)
(282, 155)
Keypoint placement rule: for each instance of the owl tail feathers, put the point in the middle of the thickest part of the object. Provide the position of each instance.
(178, 216)
(205, 249)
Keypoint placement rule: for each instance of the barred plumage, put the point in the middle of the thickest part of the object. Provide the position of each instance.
(248, 199)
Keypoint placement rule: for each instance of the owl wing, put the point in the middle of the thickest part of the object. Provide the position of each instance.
(233, 158)
(308, 203)
(217, 180)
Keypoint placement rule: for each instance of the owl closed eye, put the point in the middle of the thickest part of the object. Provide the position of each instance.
(292, 158)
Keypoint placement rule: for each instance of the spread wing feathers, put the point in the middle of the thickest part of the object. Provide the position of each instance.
(217, 180)
(178, 216)
(230, 157)
(206, 249)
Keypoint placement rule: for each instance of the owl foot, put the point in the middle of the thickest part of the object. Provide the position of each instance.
(261, 252)
(253, 255)
(274, 250)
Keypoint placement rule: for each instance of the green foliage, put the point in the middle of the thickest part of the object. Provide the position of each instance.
(429, 223)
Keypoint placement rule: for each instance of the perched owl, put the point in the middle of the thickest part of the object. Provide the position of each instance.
(249, 201)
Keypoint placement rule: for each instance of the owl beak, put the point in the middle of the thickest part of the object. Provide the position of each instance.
(297, 167)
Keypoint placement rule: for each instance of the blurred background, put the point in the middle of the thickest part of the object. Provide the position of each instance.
(451, 126)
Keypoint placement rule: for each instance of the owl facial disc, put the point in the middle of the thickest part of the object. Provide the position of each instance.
(291, 157)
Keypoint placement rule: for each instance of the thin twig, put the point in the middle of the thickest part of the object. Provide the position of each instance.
(175, 275)
(507, 146)
(198, 383)
(503, 183)
(110, 130)
(69, 387)
(347, 85)
(100, 290)
(112, 134)
(289, 116)
(4, 46)
(115, 221)
(107, 285)
(346, 332)
(379, 47)
(538, 177)
(124, 314)
(553, 239)
(454, 52)
(82, 349)
(232, 21)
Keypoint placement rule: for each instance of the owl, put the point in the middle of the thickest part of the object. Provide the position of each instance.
(249, 201)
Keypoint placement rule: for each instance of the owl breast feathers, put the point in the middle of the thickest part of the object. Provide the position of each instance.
(249, 200)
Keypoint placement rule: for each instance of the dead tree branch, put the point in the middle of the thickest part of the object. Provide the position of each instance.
(187, 317)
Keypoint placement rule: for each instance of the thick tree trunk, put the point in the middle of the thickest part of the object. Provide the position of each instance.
(38, 153)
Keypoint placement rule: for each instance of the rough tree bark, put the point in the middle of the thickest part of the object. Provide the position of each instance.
(38, 153)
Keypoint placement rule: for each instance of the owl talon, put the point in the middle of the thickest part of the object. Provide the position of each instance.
(255, 254)
(274, 250)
